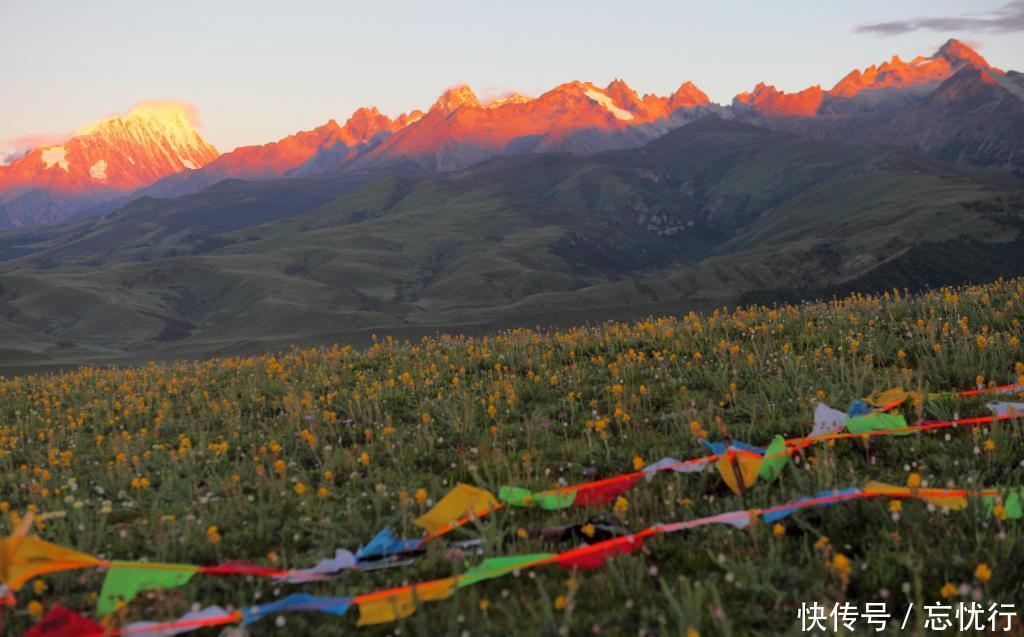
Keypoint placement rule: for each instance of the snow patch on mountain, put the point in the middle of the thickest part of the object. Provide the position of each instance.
(607, 102)
(55, 155)
(98, 171)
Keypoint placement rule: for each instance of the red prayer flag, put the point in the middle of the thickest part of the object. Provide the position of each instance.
(61, 622)
(241, 568)
(594, 555)
(605, 491)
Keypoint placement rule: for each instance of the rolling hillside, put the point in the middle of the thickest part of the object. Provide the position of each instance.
(707, 215)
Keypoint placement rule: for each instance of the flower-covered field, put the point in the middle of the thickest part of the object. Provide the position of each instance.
(280, 460)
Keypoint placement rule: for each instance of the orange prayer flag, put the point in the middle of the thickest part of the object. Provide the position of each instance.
(22, 558)
(461, 501)
(399, 603)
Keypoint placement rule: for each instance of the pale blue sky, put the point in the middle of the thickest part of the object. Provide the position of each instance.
(260, 70)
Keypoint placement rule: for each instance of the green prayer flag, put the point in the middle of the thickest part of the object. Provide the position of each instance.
(123, 583)
(775, 458)
(497, 566)
(519, 497)
(1012, 507)
(879, 421)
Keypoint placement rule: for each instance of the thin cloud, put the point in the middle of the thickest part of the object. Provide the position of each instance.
(1006, 19)
(20, 146)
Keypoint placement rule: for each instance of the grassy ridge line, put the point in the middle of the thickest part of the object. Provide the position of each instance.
(287, 457)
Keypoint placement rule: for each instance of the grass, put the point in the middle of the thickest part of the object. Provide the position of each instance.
(141, 463)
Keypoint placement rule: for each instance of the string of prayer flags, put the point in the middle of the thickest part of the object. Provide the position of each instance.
(27, 556)
(398, 603)
(123, 583)
(493, 567)
(827, 421)
(298, 602)
(549, 501)
(1007, 410)
(460, 502)
(825, 498)
(748, 465)
(194, 620)
(385, 544)
(61, 622)
(878, 421)
(776, 456)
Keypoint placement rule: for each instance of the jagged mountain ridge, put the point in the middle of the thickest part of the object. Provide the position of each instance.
(894, 103)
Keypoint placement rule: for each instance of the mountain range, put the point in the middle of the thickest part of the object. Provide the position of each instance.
(585, 203)
(952, 105)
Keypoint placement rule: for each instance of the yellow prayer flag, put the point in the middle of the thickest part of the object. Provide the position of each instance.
(460, 502)
(402, 603)
(938, 497)
(749, 464)
(954, 502)
(22, 558)
(887, 397)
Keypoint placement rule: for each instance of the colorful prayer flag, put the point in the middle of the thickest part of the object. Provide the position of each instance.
(61, 622)
(461, 501)
(25, 557)
(878, 421)
(298, 602)
(497, 566)
(775, 458)
(395, 604)
(549, 501)
(123, 583)
(749, 466)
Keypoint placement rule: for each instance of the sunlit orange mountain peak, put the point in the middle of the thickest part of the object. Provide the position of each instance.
(920, 72)
(120, 153)
(920, 75)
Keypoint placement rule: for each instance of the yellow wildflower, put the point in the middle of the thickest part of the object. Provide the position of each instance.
(983, 572)
(621, 506)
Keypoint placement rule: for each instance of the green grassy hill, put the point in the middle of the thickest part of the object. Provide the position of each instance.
(710, 214)
(279, 460)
